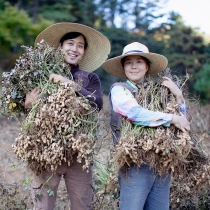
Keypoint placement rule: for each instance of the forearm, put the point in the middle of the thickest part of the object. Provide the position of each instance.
(125, 104)
(180, 99)
(144, 117)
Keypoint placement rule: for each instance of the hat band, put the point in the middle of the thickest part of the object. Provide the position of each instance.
(133, 51)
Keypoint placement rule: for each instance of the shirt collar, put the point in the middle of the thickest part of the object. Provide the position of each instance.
(74, 69)
(132, 85)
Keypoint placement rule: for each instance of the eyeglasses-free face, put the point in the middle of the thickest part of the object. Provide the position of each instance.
(74, 49)
(135, 68)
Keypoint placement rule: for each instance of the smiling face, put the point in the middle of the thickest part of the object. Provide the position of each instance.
(73, 49)
(135, 68)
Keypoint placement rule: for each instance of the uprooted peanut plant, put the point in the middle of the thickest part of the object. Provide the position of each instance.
(163, 148)
(61, 125)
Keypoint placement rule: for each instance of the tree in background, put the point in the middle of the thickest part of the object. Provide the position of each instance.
(140, 22)
(184, 46)
(202, 84)
(58, 12)
(84, 11)
(145, 13)
(16, 29)
(30, 6)
(112, 10)
(122, 21)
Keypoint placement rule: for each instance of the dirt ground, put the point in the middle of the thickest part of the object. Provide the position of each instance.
(14, 172)
(10, 168)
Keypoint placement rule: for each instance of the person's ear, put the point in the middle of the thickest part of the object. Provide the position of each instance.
(147, 67)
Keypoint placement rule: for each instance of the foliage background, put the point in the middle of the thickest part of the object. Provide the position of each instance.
(122, 21)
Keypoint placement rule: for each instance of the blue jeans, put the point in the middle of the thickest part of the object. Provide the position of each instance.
(140, 189)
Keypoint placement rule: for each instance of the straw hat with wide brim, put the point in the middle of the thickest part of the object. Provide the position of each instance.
(98, 45)
(157, 62)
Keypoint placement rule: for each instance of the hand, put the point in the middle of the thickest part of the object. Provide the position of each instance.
(31, 98)
(167, 82)
(181, 122)
(56, 78)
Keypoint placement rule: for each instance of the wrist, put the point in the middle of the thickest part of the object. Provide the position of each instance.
(27, 105)
(180, 99)
(173, 120)
(74, 84)
(179, 96)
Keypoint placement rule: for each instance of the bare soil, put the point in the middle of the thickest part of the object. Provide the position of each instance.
(13, 172)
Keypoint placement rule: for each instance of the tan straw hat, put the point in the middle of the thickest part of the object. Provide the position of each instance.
(98, 45)
(157, 62)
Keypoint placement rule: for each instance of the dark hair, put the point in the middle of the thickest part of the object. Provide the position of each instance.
(73, 35)
(145, 59)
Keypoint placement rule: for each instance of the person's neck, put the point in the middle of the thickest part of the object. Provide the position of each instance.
(136, 83)
(70, 67)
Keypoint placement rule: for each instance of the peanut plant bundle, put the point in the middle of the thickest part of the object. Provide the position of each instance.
(60, 124)
(32, 69)
(191, 187)
(163, 148)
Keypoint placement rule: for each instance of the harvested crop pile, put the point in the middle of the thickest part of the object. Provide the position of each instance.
(61, 126)
(61, 123)
(192, 191)
(163, 148)
(31, 70)
(191, 187)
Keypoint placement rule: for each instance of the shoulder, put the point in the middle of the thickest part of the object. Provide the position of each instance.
(121, 91)
(117, 90)
(121, 86)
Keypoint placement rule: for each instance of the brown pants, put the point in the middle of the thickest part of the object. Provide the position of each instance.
(78, 183)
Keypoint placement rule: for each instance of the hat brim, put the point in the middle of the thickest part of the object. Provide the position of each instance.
(157, 64)
(98, 45)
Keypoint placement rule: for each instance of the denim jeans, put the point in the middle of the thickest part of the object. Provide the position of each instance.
(141, 189)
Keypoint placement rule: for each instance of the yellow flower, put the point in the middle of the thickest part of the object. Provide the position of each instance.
(12, 105)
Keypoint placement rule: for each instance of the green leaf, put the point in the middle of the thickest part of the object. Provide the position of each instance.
(50, 192)
(28, 180)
